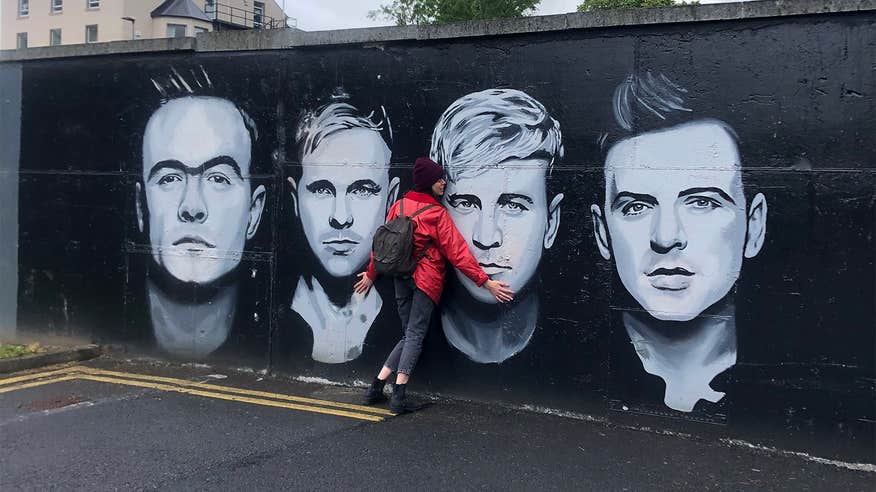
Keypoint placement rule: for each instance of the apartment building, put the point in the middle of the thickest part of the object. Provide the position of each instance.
(31, 23)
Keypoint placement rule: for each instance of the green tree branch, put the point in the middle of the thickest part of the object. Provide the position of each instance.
(411, 12)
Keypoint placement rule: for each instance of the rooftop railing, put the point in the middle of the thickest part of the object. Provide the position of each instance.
(243, 18)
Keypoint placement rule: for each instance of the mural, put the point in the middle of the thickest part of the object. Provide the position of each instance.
(677, 224)
(341, 197)
(222, 213)
(497, 147)
(196, 205)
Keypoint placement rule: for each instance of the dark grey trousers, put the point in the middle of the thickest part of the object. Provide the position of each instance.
(415, 310)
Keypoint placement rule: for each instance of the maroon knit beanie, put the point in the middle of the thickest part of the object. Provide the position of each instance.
(426, 173)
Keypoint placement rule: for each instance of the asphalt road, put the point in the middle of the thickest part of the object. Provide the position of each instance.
(98, 435)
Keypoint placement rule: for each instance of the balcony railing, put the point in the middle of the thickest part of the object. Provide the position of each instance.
(242, 18)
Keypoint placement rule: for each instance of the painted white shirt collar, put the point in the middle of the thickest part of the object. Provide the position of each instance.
(338, 332)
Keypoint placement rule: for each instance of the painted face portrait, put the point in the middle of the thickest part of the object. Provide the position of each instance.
(497, 147)
(196, 188)
(503, 213)
(342, 197)
(677, 218)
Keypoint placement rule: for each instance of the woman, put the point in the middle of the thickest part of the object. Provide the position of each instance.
(435, 239)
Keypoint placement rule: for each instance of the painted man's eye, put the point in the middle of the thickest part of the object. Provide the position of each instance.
(464, 203)
(701, 203)
(169, 178)
(219, 179)
(364, 191)
(514, 206)
(635, 208)
(323, 191)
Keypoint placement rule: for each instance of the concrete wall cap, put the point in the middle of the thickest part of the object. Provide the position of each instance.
(247, 40)
(98, 49)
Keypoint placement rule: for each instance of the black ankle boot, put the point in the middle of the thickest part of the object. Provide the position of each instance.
(398, 403)
(375, 392)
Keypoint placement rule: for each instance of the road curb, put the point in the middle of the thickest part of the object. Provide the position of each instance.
(82, 352)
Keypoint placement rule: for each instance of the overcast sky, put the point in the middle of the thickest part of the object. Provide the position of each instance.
(320, 15)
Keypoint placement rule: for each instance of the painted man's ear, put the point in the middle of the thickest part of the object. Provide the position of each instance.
(757, 218)
(139, 206)
(392, 196)
(553, 225)
(294, 194)
(600, 230)
(256, 207)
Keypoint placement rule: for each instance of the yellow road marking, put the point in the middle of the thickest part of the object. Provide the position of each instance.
(241, 391)
(187, 387)
(37, 383)
(38, 375)
(221, 396)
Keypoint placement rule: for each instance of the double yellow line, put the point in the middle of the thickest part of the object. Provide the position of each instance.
(254, 397)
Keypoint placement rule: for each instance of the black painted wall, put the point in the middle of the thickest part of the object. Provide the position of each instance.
(797, 93)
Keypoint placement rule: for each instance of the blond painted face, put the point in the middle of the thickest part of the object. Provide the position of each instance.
(342, 197)
(504, 215)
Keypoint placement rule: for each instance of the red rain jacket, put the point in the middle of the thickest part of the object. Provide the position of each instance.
(446, 242)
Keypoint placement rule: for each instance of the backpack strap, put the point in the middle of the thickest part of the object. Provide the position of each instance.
(428, 241)
(425, 248)
(418, 212)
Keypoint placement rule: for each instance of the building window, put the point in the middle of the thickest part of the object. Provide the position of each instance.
(199, 30)
(57, 6)
(176, 30)
(54, 37)
(21, 40)
(210, 8)
(23, 8)
(91, 33)
(258, 14)
(94, 4)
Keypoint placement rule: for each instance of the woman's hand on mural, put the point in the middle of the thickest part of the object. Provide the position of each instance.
(364, 284)
(499, 290)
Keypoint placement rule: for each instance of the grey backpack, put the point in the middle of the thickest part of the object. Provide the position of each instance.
(393, 245)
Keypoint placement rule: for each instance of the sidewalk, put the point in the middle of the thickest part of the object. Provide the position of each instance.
(98, 435)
